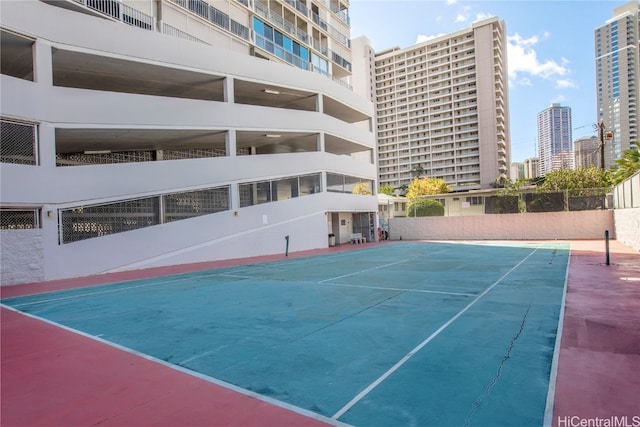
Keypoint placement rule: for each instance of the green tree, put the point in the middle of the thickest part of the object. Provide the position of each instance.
(426, 186)
(627, 165)
(386, 189)
(425, 207)
(565, 179)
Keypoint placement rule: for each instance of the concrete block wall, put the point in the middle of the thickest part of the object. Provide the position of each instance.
(21, 256)
(522, 226)
(627, 223)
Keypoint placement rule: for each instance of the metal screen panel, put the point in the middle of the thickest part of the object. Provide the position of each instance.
(80, 159)
(19, 219)
(195, 203)
(18, 143)
(101, 220)
(192, 153)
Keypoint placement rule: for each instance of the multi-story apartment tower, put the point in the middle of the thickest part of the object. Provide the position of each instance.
(171, 139)
(554, 139)
(587, 152)
(531, 168)
(617, 52)
(443, 109)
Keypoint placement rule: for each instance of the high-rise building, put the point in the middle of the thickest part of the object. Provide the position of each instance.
(617, 46)
(587, 152)
(199, 131)
(443, 109)
(555, 149)
(531, 168)
(517, 171)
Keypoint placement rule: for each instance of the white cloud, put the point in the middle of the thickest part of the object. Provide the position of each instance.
(523, 60)
(423, 38)
(450, 2)
(461, 18)
(482, 16)
(565, 84)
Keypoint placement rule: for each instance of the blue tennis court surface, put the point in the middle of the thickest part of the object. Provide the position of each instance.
(408, 333)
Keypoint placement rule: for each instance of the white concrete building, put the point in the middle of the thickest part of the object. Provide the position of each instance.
(443, 109)
(142, 145)
(617, 52)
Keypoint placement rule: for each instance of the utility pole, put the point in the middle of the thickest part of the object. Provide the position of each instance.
(601, 138)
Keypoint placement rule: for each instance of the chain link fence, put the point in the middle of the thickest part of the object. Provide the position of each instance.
(19, 219)
(18, 143)
(568, 200)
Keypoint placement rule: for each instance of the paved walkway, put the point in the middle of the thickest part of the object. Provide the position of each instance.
(54, 377)
(599, 365)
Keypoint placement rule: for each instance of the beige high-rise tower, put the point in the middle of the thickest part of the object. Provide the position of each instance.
(617, 82)
(443, 109)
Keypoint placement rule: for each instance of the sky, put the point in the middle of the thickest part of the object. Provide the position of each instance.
(550, 50)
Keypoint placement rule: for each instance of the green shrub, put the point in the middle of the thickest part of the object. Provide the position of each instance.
(426, 208)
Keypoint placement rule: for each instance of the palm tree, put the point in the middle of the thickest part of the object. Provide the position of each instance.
(628, 164)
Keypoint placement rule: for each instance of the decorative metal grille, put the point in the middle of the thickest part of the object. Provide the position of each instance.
(195, 203)
(101, 220)
(79, 159)
(18, 143)
(193, 153)
(19, 219)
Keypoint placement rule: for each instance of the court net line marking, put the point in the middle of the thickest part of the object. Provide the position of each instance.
(367, 269)
(419, 347)
(344, 285)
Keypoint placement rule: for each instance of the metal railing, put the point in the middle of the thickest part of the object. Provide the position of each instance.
(175, 32)
(280, 52)
(120, 11)
(18, 143)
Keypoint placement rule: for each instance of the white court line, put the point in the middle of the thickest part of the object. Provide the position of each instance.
(401, 289)
(383, 288)
(189, 372)
(553, 376)
(409, 355)
(367, 269)
(107, 291)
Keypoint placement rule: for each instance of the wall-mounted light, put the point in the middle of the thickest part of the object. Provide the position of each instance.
(50, 214)
(235, 213)
(272, 92)
(272, 135)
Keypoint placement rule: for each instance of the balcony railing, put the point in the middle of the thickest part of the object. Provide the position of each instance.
(121, 12)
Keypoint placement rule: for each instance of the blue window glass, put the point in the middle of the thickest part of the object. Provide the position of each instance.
(258, 26)
(287, 44)
(304, 53)
(277, 38)
(268, 33)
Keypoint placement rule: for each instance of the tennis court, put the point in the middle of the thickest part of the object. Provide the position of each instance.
(409, 333)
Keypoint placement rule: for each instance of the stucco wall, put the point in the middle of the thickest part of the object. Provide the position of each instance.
(525, 226)
(628, 226)
(21, 256)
